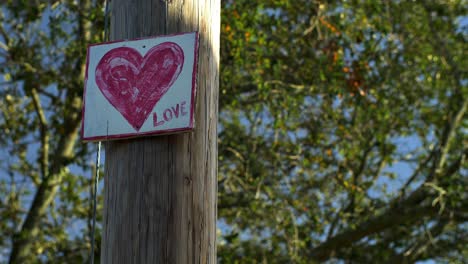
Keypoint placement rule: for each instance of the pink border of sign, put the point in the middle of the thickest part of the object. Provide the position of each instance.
(157, 132)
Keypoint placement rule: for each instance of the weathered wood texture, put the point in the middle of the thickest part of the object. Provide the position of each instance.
(160, 192)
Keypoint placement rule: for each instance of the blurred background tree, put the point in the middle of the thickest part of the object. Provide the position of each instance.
(45, 206)
(342, 131)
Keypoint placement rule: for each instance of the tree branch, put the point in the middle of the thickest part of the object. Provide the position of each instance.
(63, 155)
(392, 217)
(412, 253)
(401, 212)
(22, 241)
(415, 174)
(44, 134)
(386, 253)
(4, 35)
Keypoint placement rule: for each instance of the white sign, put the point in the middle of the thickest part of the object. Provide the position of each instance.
(140, 87)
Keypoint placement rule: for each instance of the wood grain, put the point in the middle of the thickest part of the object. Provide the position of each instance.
(160, 192)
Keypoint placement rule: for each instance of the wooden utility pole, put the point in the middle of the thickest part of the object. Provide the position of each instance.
(160, 192)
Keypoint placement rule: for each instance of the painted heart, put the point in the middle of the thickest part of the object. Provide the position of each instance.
(134, 84)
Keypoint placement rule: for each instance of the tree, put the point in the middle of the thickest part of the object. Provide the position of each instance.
(341, 133)
(46, 209)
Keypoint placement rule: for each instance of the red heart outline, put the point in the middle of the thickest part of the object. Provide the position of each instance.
(134, 84)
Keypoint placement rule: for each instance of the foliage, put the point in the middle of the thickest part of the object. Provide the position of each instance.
(342, 131)
(45, 209)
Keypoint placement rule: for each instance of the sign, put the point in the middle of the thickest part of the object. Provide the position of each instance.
(140, 87)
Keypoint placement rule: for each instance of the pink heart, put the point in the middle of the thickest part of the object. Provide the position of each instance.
(134, 84)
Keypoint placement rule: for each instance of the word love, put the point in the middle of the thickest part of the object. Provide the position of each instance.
(170, 113)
